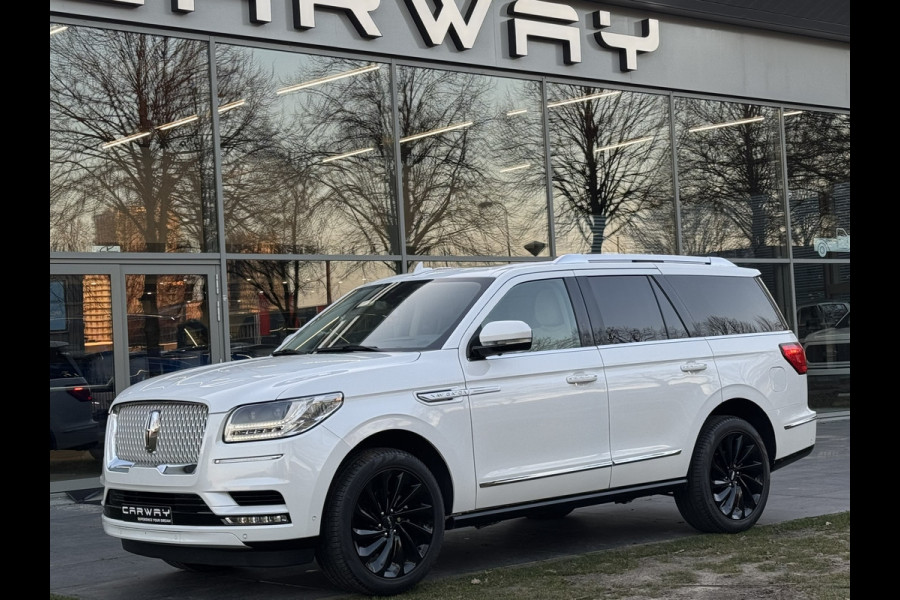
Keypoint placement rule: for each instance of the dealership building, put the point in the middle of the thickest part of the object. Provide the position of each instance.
(221, 170)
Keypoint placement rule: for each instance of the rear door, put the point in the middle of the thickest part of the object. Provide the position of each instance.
(658, 378)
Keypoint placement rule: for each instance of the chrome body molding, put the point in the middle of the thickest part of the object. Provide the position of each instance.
(644, 457)
(603, 465)
(803, 421)
(453, 393)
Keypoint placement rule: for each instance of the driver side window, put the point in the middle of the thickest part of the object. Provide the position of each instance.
(543, 304)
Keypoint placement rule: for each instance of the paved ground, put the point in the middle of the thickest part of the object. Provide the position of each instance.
(88, 564)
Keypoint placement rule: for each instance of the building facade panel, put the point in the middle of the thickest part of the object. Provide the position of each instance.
(213, 188)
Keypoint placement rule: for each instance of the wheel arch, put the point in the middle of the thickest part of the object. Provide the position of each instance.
(753, 414)
(416, 445)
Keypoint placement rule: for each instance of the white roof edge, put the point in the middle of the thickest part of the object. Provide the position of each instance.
(636, 258)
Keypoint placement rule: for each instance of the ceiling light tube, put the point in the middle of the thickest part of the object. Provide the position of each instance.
(57, 29)
(515, 168)
(728, 124)
(178, 123)
(347, 155)
(582, 99)
(231, 106)
(518, 111)
(791, 113)
(436, 131)
(328, 79)
(623, 144)
(124, 140)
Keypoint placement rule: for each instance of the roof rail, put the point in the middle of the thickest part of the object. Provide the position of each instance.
(641, 258)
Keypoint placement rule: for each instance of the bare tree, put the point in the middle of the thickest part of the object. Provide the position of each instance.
(818, 162)
(610, 159)
(729, 171)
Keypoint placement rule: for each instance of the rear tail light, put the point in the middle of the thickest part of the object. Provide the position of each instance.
(81, 393)
(794, 354)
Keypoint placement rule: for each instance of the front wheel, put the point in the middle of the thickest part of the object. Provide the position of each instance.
(728, 478)
(383, 523)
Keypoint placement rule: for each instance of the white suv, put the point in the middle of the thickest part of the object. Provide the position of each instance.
(447, 398)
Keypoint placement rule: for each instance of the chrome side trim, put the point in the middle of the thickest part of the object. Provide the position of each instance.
(442, 395)
(432, 396)
(801, 422)
(592, 467)
(635, 459)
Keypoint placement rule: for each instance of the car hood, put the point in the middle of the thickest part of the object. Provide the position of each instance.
(261, 379)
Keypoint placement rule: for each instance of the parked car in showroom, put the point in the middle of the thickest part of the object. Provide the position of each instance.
(821, 315)
(76, 422)
(454, 397)
(828, 350)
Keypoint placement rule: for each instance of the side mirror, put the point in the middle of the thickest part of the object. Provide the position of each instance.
(500, 337)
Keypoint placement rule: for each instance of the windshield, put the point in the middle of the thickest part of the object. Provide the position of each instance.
(390, 316)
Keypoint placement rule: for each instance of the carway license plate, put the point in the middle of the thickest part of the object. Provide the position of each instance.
(141, 513)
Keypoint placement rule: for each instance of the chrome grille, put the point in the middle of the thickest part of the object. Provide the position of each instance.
(181, 428)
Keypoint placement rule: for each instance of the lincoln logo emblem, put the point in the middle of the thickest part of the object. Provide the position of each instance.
(151, 434)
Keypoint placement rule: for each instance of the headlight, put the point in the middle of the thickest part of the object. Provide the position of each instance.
(271, 420)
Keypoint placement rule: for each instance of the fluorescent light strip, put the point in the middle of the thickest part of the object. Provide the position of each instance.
(124, 140)
(623, 144)
(436, 131)
(330, 78)
(178, 123)
(791, 113)
(581, 99)
(729, 124)
(347, 154)
(518, 111)
(57, 29)
(516, 168)
(231, 106)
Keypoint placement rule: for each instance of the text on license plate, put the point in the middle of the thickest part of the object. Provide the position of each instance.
(147, 514)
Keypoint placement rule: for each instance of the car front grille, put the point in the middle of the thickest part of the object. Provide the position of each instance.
(181, 429)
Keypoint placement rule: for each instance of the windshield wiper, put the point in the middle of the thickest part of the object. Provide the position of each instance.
(346, 348)
(288, 352)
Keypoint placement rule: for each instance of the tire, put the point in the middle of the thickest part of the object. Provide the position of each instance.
(195, 568)
(822, 249)
(728, 478)
(383, 524)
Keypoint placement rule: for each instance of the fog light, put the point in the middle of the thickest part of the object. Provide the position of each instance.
(258, 520)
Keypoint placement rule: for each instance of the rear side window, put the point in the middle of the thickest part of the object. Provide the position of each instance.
(631, 308)
(727, 305)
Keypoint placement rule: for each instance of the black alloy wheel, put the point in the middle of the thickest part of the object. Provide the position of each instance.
(383, 525)
(728, 479)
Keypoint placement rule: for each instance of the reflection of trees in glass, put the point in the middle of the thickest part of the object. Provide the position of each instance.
(152, 193)
(729, 177)
(818, 163)
(445, 176)
(611, 160)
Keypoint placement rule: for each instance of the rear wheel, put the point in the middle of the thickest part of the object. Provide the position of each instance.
(728, 478)
(383, 524)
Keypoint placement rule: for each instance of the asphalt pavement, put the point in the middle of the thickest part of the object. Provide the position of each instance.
(87, 564)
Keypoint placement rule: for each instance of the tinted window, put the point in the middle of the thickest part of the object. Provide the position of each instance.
(632, 308)
(546, 307)
(395, 315)
(727, 305)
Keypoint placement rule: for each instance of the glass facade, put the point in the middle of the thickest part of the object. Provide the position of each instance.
(208, 198)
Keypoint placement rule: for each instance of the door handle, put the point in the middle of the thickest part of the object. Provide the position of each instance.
(581, 378)
(692, 367)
